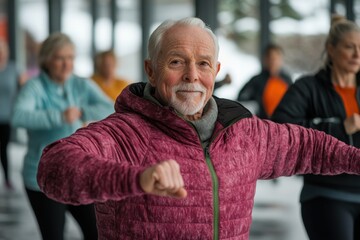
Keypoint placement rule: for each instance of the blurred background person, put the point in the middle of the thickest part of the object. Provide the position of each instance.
(32, 52)
(105, 74)
(10, 81)
(52, 106)
(268, 87)
(329, 101)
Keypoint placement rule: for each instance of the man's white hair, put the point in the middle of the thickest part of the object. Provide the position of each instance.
(157, 36)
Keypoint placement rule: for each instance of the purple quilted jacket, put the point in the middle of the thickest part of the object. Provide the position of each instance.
(102, 162)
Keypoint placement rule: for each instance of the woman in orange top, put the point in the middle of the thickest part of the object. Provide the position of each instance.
(329, 101)
(105, 74)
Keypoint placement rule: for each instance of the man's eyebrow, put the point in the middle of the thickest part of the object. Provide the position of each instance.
(208, 57)
(179, 54)
(176, 53)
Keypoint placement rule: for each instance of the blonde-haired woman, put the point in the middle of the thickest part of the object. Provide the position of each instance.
(51, 106)
(329, 101)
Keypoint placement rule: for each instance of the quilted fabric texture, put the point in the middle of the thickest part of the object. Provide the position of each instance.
(102, 163)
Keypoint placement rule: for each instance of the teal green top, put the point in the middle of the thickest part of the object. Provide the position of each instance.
(39, 109)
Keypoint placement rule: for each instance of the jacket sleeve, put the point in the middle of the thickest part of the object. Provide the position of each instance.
(92, 166)
(288, 149)
(286, 77)
(298, 107)
(249, 91)
(27, 114)
(98, 105)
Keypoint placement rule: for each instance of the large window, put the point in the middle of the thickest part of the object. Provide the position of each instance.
(33, 21)
(301, 33)
(298, 26)
(238, 34)
(128, 39)
(77, 23)
(357, 10)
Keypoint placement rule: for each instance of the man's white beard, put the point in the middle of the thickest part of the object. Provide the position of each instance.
(189, 106)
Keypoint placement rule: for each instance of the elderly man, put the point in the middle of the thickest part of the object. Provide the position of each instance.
(173, 162)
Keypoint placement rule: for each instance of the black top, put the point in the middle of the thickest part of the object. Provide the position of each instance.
(254, 89)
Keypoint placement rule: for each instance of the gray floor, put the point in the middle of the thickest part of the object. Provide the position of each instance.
(275, 217)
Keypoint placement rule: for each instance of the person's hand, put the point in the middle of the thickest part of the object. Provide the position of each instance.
(23, 79)
(163, 179)
(352, 124)
(72, 114)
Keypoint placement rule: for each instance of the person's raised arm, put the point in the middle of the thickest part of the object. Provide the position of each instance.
(94, 165)
(289, 149)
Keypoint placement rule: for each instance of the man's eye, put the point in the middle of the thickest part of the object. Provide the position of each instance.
(175, 62)
(204, 63)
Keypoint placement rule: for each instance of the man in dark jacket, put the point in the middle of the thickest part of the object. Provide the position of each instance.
(267, 88)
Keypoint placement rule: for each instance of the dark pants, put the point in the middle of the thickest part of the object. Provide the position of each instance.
(5, 131)
(331, 219)
(50, 216)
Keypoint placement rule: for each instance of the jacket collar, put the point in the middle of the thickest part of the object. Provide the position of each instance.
(324, 75)
(230, 111)
(132, 99)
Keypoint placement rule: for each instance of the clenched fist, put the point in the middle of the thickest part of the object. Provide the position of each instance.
(163, 179)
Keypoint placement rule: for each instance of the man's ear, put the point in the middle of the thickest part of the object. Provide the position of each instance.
(218, 66)
(149, 72)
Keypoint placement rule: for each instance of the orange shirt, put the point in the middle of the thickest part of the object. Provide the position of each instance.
(348, 96)
(273, 92)
(114, 89)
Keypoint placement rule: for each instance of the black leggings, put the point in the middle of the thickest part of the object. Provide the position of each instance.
(331, 219)
(50, 216)
(5, 130)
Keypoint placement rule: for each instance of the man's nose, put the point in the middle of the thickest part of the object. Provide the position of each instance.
(191, 73)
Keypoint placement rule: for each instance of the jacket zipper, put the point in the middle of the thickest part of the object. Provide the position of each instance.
(215, 182)
(215, 186)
